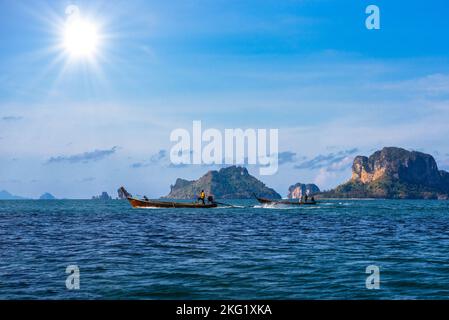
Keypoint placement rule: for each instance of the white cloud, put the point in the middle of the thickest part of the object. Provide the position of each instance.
(432, 85)
(324, 177)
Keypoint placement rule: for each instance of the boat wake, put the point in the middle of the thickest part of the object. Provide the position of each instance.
(233, 206)
(150, 208)
(274, 206)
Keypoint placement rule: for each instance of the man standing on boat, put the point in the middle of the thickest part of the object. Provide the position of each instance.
(202, 196)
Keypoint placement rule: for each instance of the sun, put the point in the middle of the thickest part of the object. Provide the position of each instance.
(80, 38)
(81, 42)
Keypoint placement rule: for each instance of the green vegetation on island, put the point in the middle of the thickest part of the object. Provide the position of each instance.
(394, 173)
(228, 183)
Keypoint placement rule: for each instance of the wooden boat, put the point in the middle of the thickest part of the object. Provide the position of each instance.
(136, 203)
(284, 202)
(147, 203)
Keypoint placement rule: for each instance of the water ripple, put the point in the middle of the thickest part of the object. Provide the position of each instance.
(231, 253)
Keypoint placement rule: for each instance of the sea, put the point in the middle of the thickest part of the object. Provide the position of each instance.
(338, 249)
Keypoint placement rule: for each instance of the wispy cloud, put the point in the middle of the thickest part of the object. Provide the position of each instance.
(432, 85)
(11, 118)
(160, 158)
(286, 157)
(333, 170)
(11, 181)
(85, 157)
(332, 161)
(340, 165)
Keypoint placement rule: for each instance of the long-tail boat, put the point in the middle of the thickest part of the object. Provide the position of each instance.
(285, 202)
(147, 203)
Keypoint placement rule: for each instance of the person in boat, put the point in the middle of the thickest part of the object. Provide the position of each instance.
(202, 196)
(313, 199)
(306, 197)
(210, 199)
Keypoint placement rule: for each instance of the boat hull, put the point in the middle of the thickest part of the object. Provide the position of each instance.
(136, 203)
(284, 202)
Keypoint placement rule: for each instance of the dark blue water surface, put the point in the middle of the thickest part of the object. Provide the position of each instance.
(225, 253)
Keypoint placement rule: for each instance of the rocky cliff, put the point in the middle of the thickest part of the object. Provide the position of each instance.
(297, 191)
(227, 183)
(122, 194)
(395, 173)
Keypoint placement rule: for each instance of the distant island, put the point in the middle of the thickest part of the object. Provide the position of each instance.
(103, 196)
(390, 173)
(5, 195)
(47, 196)
(121, 194)
(298, 190)
(233, 182)
(394, 173)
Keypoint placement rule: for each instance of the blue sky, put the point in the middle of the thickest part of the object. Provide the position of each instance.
(309, 68)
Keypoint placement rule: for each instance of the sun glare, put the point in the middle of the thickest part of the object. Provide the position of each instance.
(80, 43)
(80, 38)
